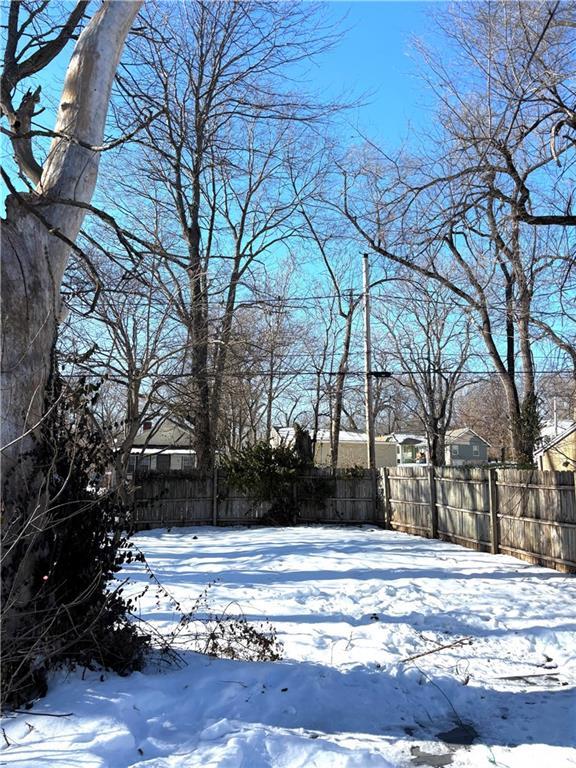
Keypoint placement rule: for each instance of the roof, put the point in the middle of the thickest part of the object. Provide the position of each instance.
(165, 434)
(453, 435)
(404, 438)
(323, 435)
(558, 439)
(551, 429)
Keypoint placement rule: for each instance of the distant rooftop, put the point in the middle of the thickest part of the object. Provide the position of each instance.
(164, 433)
(323, 435)
(551, 428)
(404, 437)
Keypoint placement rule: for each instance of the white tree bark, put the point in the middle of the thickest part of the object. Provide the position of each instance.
(34, 255)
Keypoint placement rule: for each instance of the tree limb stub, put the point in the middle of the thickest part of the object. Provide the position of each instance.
(20, 122)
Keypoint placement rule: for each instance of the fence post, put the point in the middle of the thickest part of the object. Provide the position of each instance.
(493, 508)
(433, 504)
(374, 486)
(386, 493)
(215, 496)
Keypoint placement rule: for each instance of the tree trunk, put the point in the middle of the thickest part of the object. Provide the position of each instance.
(221, 353)
(36, 239)
(436, 442)
(33, 260)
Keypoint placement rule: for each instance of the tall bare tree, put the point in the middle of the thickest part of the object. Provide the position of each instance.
(472, 214)
(219, 73)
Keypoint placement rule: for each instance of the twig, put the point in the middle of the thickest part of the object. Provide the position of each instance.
(75, 140)
(524, 677)
(435, 650)
(432, 682)
(234, 681)
(42, 714)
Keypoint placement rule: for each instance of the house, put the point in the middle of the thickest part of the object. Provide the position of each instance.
(464, 446)
(163, 447)
(551, 429)
(409, 448)
(558, 452)
(352, 448)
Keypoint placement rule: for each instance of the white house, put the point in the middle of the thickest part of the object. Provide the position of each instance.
(409, 448)
(162, 447)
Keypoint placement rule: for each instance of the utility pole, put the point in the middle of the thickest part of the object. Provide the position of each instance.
(368, 387)
(368, 370)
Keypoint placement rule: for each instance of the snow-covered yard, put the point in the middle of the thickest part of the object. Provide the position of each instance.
(351, 607)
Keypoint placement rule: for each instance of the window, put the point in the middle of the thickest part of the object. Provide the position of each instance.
(188, 462)
(131, 463)
(163, 462)
(476, 450)
(455, 451)
(143, 463)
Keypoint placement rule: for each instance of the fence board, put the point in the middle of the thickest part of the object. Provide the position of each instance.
(410, 500)
(538, 516)
(463, 506)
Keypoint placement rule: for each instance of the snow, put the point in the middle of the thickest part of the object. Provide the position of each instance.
(351, 606)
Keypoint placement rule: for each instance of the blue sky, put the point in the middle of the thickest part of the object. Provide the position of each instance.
(374, 58)
(372, 62)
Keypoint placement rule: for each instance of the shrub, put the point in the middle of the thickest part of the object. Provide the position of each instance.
(57, 603)
(277, 475)
(267, 474)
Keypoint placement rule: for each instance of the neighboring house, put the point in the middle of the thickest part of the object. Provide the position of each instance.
(162, 447)
(551, 429)
(352, 448)
(464, 446)
(408, 447)
(558, 452)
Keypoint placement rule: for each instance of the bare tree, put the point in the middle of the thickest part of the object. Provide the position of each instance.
(345, 305)
(473, 215)
(482, 407)
(220, 153)
(428, 339)
(131, 341)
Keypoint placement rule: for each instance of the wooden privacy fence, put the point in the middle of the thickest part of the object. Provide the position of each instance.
(526, 513)
(176, 499)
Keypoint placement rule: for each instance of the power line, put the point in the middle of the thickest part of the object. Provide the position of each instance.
(299, 302)
(331, 373)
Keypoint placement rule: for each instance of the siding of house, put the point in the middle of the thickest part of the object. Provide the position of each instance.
(355, 454)
(470, 449)
(352, 450)
(164, 461)
(561, 456)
